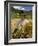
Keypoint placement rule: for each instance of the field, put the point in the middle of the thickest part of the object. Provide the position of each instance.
(24, 31)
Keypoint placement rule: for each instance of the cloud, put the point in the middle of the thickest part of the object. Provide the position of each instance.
(16, 7)
(22, 8)
(19, 7)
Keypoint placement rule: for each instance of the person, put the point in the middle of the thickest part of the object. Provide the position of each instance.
(19, 23)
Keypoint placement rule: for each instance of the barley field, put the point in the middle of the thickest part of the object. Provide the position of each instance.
(25, 32)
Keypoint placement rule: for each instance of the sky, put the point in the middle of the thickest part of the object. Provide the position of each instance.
(25, 8)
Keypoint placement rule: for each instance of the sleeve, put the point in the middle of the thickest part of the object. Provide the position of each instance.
(17, 23)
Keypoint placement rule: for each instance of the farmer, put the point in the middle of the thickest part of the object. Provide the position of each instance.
(20, 22)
